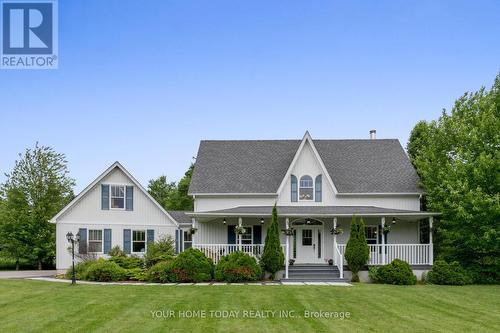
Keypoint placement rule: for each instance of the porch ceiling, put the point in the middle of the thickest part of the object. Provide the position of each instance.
(320, 211)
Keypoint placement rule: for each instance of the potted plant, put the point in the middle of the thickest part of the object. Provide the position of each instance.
(387, 229)
(240, 230)
(337, 231)
(291, 261)
(192, 230)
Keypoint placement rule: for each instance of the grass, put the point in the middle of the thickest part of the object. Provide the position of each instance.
(36, 306)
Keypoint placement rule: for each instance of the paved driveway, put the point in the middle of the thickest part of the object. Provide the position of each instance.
(26, 274)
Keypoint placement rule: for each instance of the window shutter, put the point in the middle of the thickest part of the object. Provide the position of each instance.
(294, 193)
(107, 240)
(126, 241)
(177, 240)
(104, 197)
(317, 194)
(82, 244)
(257, 234)
(231, 235)
(129, 202)
(150, 236)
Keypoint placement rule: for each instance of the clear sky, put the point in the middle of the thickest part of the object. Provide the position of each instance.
(143, 82)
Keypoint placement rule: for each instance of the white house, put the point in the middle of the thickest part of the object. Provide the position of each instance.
(317, 185)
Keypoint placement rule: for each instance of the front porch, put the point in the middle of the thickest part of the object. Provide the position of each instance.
(310, 235)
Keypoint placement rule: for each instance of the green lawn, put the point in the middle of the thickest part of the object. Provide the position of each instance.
(57, 307)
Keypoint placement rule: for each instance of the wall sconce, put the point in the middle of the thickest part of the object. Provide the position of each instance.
(393, 220)
(224, 221)
(262, 221)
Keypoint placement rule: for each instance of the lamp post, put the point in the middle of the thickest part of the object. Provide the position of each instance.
(72, 239)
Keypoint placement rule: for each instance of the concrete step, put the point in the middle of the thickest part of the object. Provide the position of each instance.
(313, 276)
(314, 280)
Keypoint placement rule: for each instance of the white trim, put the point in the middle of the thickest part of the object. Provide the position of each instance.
(98, 179)
(419, 214)
(307, 137)
(132, 241)
(374, 194)
(233, 194)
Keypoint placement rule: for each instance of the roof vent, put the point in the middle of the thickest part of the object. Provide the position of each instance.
(373, 134)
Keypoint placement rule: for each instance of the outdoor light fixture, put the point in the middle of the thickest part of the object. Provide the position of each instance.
(72, 239)
(224, 221)
(393, 220)
(262, 221)
(308, 221)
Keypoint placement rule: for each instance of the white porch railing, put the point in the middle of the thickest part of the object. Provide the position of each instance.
(414, 254)
(217, 251)
(338, 258)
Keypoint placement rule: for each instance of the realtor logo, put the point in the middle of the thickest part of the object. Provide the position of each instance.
(29, 34)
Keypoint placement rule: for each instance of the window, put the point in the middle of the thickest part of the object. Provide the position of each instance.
(423, 232)
(117, 197)
(371, 234)
(307, 237)
(95, 241)
(306, 188)
(247, 237)
(138, 241)
(188, 240)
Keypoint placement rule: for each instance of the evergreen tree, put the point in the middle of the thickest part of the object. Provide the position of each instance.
(273, 257)
(356, 252)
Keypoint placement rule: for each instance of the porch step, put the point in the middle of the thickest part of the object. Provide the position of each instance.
(314, 280)
(313, 273)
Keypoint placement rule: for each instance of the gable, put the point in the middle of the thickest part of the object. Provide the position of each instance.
(86, 208)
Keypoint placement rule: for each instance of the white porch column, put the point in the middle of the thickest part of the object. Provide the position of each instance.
(335, 240)
(240, 223)
(287, 248)
(431, 245)
(383, 240)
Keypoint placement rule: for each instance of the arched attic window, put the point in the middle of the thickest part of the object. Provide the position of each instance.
(306, 188)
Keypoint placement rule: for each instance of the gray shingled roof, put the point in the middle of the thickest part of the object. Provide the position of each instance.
(311, 210)
(355, 166)
(180, 216)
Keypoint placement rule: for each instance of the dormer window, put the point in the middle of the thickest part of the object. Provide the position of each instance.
(117, 197)
(306, 188)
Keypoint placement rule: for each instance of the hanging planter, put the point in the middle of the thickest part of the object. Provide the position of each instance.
(387, 229)
(336, 231)
(240, 230)
(192, 230)
(288, 232)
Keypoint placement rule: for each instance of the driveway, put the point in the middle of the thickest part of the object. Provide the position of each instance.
(26, 274)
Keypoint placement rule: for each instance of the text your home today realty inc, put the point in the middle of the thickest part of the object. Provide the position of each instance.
(248, 314)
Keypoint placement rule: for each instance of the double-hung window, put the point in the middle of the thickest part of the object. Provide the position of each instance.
(117, 197)
(95, 241)
(138, 241)
(247, 237)
(188, 240)
(371, 234)
(306, 188)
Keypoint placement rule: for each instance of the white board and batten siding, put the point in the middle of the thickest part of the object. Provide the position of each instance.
(87, 213)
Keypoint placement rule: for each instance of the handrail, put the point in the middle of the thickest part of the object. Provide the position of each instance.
(339, 261)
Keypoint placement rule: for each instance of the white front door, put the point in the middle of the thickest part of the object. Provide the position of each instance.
(309, 244)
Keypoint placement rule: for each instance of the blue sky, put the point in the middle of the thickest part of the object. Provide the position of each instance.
(144, 82)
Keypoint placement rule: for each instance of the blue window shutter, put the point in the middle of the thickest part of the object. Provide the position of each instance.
(317, 187)
(82, 244)
(231, 235)
(104, 197)
(150, 236)
(294, 193)
(257, 234)
(126, 241)
(178, 234)
(129, 202)
(107, 240)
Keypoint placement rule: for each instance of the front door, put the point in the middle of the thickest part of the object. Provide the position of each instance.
(309, 244)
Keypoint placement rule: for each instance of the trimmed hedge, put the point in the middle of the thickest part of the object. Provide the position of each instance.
(448, 273)
(80, 270)
(397, 272)
(116, 251)
(105, 270)
(237, 267)
(159, 272)
(161, 250)
(128, 262)
(191, 266)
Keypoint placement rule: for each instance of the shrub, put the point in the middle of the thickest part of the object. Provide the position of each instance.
(397, 272)
(161, 250)
(448, 273)
(80, 270)
(159, 272)
(237, 267)
(105, 270)
(272, 257)
(191, 266)
(136, 274)
(357, 251)
(373, 273)
(116, 251)
(128, 262)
